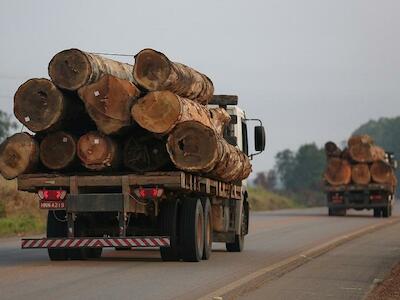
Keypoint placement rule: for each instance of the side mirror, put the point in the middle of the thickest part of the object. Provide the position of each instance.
(259, 138)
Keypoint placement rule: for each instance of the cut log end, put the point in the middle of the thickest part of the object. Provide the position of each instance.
(97, 151)
(58, 150)
(146, 153)
(332, 150)
(19, 154)
(151, 69)
(108, 102)
(38, 104)
(157, 112)
(360, 174)
(382, 172)
(193, 147)
(69, 69)
(338, 172)
(360, 139)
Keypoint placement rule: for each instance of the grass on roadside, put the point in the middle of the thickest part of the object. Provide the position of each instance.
(261, 199)
(19, 211)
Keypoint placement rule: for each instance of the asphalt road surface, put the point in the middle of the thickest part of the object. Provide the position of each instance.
(275, 236)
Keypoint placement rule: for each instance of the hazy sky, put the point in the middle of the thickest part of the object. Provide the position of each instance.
(312, 70)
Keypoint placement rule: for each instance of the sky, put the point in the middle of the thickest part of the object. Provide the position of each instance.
(311, 70)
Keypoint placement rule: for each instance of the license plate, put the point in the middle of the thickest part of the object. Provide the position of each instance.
(52, 204)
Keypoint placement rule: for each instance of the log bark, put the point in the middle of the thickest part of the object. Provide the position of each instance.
(338, 172)
(153, 71)
(58, 151)
(98, 152)
(145, 152)
(42, 107)
(360, 174)
(72, 69)
(19, 154)
(366, 153)
(160, 112)
(109, 102)
(194, 147)
(332, 150)
(360, 139)
(382, 172)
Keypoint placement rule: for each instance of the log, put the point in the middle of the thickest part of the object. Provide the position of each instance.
(58, 151)
(41, 107)
(109, 102)
(161, 111)
(360, 174)
(359, 139)
(72, 69)
(366, 153)
(194, 147)
(332, 150)
(145, 152)
(153, 71)
(98, 152)
(19, 154)
(338, 172)
(383, 173)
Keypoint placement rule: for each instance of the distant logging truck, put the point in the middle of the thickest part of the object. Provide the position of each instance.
(360, 177)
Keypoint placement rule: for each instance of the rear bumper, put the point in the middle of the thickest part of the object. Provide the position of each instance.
(358, 206)
(82, 242)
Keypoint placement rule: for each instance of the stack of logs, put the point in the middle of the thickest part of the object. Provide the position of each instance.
(99, 114)
(362, 162)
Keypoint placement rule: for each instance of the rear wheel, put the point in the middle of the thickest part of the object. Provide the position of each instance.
(208, 231)
(57, 228)
(385, 211)
(377, 212)
(192, 230)
(238, 244)
(169, 227)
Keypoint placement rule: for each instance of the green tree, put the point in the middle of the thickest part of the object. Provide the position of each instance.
(6, 125)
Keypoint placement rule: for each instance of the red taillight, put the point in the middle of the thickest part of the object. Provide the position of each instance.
(152, 192)
(52, 195)
(337, 198)
(376, 197)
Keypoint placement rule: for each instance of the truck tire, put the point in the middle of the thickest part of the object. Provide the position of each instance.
(57, 229)
(331, 212)
(238, 244)
(192, 230)
(208, 229)
(377, 212)
(169, 226)
(385, 211)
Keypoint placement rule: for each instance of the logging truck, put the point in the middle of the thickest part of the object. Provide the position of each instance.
(179, 212)
(379, 197)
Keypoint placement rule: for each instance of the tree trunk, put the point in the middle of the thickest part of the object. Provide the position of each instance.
(194, 147)
(145, 152)
(58, 151)
(109, 102)
(72, 69)
(360, 174)
(153, 71)
(98, 152)
(42, 107)
(160, 112)
(366, 153)
(360, 139)
(338, 172)
(382, 172)
(19, 154)
(332, 150)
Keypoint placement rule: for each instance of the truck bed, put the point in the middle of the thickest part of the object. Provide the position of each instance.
(176, 180)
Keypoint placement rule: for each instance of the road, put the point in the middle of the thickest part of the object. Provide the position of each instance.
(275, 236)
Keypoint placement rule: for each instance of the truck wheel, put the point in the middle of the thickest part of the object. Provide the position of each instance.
(377, 212)
(94, 252)
(341, 212)
(192, 229)
(57, 229)
(238, 244)
(208, 231)
(331, 212)
(385, 212)
(168, 225)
